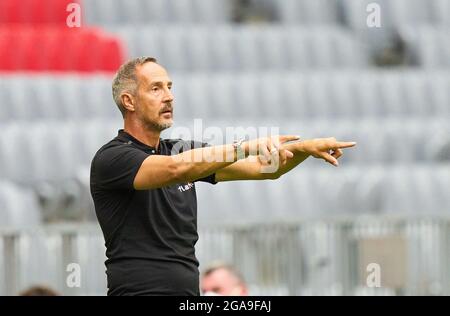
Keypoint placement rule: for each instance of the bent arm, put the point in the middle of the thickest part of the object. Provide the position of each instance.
(328, 149)
(249, 169)
(158, 171)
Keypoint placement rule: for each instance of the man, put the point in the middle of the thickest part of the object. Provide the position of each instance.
(223, 279)
(149, 224)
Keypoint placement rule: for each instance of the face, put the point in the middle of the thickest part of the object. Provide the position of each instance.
(153, 98)
(222, 282)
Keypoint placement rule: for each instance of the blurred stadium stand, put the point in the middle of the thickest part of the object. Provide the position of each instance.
(310, 67)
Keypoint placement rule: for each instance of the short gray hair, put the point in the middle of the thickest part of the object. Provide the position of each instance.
(125, 79)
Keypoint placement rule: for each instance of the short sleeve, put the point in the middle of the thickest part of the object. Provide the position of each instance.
(116, 167)
(212, 177)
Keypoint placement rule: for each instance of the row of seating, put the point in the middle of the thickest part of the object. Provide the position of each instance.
(353, 13)
(55, 48)
(343, 94)
(308, 191)
(33, 153)
(263, 47)
(244, 48)
(106, 12)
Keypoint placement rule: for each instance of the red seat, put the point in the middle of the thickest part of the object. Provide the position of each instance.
(53, 48)
(112, 54)
(11, 11)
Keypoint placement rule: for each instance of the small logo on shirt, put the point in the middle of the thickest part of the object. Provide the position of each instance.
(185, 187)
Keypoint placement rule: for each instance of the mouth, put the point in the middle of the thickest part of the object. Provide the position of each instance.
(167, 113)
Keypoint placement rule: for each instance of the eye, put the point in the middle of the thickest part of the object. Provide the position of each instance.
(155, 89)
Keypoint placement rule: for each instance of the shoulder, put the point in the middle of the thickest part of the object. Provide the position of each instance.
(115, 153)
(111, 147)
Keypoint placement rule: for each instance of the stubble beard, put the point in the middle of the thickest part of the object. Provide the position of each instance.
(155, 126)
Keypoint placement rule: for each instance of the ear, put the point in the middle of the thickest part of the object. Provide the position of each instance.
(127, 101)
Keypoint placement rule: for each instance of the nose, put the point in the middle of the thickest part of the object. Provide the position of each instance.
(168, 96)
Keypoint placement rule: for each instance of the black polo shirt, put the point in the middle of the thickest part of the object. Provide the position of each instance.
(150, 234)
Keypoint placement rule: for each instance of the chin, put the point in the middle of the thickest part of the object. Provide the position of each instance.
(166, 125)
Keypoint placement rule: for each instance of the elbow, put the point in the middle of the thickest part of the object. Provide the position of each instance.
(182, 172)
(177, 172)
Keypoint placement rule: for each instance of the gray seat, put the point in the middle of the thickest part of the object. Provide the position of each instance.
(213, 12)
(439, 93)
(430, 45)
(199, 57)
(105, 12)
(440, 10)
(307, 12)
(222, 48)
(18, 207)
(102, 11)
(247, 49)
(272, 51)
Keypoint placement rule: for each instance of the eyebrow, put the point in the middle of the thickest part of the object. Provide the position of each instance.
(160, 83)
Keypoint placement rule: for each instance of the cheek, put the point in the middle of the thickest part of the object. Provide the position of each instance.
(148, 105)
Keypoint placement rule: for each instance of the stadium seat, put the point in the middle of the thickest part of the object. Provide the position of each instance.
(430, 45)
(308, 12)
(19, 207)
(60, 49)
(275, 95)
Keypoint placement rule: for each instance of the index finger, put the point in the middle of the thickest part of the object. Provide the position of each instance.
(288, 138)
(344, 145)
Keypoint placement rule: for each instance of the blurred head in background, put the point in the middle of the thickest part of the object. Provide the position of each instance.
(223, 279)
(39, 290)
(142, 92)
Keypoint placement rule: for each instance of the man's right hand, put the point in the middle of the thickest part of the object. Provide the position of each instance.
(328, 149)
(270, 148)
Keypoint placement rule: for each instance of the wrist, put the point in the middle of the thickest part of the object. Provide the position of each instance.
(304, 146)
(239, 149)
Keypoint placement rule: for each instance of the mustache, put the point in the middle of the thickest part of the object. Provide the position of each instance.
(167, 107)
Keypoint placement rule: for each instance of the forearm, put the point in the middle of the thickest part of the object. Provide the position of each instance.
(202, 162)
(252, 168)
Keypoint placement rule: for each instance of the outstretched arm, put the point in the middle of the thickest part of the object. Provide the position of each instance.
(250, 169)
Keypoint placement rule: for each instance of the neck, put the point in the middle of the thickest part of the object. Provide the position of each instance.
(142, 133)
